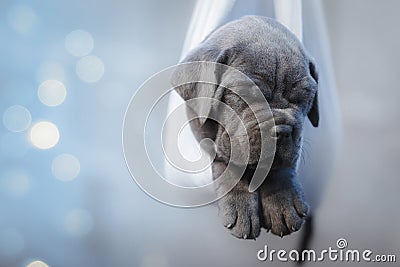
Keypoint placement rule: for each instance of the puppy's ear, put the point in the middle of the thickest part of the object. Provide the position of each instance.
(313, 114)
(187, 79)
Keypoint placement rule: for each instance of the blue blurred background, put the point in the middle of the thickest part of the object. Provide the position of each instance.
(67, 72)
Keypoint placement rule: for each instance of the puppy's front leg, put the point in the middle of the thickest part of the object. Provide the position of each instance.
(238, 209)
(284, 207)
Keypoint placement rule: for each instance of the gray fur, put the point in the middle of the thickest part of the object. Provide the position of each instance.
(278, 64)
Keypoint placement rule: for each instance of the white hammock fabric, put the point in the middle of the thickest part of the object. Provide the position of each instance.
(207, 16)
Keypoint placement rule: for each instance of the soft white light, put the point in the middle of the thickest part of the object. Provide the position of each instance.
(65, 167)
(15, 183)
(90, 69)
(37, 264)
(44, 135)
(22, 18)
(52, 93)
(79, 43)
(78, 222)
(11, 243)
(17, 118)
(50, 70)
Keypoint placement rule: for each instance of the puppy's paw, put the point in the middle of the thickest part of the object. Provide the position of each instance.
(284, 208)
(239, 211)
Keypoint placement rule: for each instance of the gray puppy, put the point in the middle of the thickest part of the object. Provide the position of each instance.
(278, 64)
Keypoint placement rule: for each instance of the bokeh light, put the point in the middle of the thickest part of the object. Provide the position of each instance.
(78, 222)
(52, 93)
(79, 43)
(15, 183)
(90, 69)
(17, 118)
(50, 70)
(11, 243)
(22, 18)
(65, 167)
(37, 264)
(44, 135)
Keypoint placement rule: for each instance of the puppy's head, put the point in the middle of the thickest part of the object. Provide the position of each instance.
(276, 64)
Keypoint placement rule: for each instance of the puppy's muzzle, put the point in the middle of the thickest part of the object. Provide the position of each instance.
(282, 133)
(256, 141)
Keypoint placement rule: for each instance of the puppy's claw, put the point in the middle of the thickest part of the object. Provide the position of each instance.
(281, 235)
(293, 229)
(304, 214)
(229, 226)
(245, 237)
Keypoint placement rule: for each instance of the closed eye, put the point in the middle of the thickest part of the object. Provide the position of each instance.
(249, 90)
(307, 83)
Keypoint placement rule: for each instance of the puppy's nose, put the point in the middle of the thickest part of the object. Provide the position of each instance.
(281, 132)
